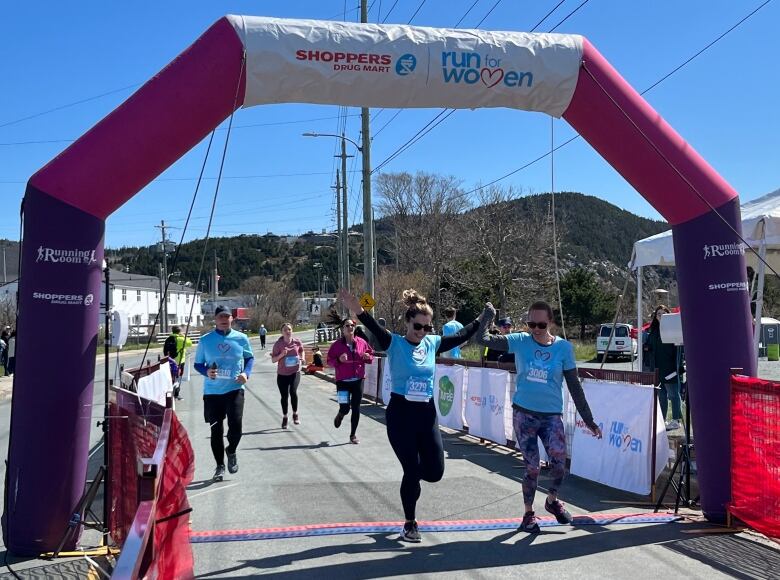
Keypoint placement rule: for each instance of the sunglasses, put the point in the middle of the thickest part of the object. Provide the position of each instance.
(349, 326)
(425, 327)
(539, 325)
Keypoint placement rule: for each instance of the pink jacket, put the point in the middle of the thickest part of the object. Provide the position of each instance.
(355, 367)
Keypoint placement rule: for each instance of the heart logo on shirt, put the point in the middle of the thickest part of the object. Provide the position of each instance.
(544, 356)
(223, 347)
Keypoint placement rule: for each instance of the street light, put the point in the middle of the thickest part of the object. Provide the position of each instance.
(368, 218)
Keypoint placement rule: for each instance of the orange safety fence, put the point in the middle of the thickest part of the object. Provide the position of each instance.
(755, 453)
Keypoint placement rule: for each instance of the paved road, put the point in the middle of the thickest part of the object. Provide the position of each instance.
(310, 474)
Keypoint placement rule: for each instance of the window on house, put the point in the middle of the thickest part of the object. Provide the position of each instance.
(124, 294)
(137, 295)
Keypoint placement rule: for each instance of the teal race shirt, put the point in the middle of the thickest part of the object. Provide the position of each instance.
(412, 367)
(228, 351)
(540, 372)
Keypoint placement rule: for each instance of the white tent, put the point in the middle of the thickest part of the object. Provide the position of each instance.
(760, 229)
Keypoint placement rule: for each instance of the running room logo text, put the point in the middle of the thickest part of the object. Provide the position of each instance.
(721, 250)
(471, 68)
(357, 61)
(57, 256)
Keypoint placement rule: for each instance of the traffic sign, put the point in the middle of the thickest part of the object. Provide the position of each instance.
(367, 301)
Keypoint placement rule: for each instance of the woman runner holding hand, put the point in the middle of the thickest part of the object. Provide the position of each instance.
(412, 427)
(543, 361)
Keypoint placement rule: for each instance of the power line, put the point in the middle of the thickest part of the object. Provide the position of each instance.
(569, 15)
(648, 89)
(73, 104)
(546, 16)
(462, 18)
(416, 11)
(389, 12)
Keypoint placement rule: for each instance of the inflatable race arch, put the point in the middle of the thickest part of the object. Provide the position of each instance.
(244, 61)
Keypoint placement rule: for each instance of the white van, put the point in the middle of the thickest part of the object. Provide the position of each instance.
(622, 342)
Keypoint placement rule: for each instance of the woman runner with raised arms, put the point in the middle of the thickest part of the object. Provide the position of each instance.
(412, 427)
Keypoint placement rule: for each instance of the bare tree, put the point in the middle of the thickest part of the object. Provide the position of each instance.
(509, 250)
(424, 209)
(8, 311)
(274, 302)
(389, 286)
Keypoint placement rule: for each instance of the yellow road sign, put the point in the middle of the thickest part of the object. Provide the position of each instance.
(367, 301)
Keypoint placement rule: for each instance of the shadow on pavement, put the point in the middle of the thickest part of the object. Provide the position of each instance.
(733, 555)
(320, 445)
(392, 558)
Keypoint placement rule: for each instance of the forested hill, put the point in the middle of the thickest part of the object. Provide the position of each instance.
(590, 230)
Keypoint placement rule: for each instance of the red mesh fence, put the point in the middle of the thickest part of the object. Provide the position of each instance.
(755, 453)
(134, 428)
(172, 550)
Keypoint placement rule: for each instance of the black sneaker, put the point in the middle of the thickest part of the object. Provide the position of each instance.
(556, 508)
(219, 473)
(284, 422)
(529, 523)
(410, 533)
(232, 463)
(337, 421)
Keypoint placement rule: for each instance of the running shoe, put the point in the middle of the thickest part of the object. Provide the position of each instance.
(556, 508)
(296, 420)
(529, 523)
(337, 421)
(232, 463)
(672, 425)
(219, 473)
(284, 422)
(410, 533)
(354, 440)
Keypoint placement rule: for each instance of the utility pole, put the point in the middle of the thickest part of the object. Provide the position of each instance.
(215, 285)
(344, 220)
(164, 273)
(5, 277)
(339, 245)
(368, 218)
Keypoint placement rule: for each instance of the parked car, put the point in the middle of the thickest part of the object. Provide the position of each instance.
(623, 342)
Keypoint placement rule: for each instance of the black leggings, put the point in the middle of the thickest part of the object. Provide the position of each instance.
(215, 409)
(414, 434)
(354, 391)
(288, 387)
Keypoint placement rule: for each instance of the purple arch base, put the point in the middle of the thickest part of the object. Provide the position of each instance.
(68, 200)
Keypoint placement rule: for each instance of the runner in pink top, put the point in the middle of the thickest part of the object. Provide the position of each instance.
(349, 355)
(287, 353)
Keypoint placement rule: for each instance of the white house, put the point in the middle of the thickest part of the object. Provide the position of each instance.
(138, 296)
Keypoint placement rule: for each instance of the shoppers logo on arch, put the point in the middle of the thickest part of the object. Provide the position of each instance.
(350, 61)
(472, 68)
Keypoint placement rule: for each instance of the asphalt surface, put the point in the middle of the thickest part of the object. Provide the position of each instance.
(311, 474)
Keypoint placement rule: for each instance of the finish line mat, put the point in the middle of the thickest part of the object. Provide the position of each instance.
(424, 526)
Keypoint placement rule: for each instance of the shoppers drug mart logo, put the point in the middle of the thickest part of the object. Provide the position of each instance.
(348, 61)
(471, 68)
(406, 65)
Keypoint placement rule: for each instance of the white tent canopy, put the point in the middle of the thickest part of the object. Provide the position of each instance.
(760, 222)
(760, 229)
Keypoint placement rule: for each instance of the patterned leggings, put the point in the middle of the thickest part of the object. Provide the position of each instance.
(548, 428)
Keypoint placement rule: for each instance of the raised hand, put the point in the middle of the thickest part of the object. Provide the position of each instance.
(350, 301)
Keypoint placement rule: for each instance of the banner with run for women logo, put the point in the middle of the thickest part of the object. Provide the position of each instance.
(486, 396)
(448, 395)
(623, 457)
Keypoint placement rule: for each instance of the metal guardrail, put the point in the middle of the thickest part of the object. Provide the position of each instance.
(193, 335)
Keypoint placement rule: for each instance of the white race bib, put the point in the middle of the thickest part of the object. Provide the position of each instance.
(417, 390)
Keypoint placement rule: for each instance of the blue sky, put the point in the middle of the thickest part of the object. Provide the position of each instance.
(57, 53)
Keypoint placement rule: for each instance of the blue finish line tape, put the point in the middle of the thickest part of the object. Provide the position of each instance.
(395, 527)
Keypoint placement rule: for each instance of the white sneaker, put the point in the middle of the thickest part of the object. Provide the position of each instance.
(672, 425)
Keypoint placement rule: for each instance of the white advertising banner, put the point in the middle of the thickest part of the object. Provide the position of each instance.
(372, 378)
(622, 459)
(398, 66)
(448, 395)
(486, 403)
(155, 386)
(387, 382)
